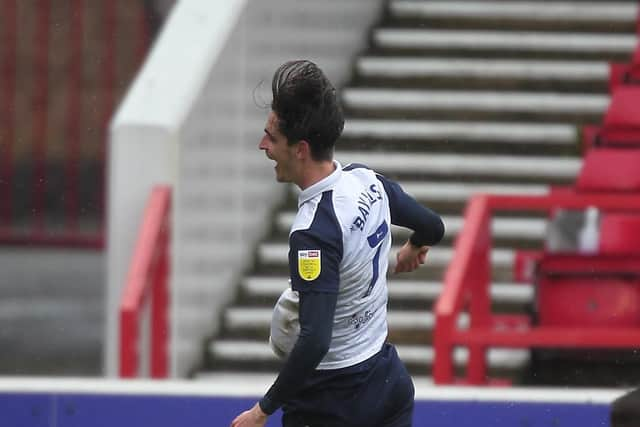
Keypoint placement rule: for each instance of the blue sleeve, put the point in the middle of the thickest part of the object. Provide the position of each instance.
(315, 253)
(316, 325)
(427, 226)
(314, 262)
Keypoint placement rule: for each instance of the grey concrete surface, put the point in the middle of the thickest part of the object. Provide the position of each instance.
(51, 311)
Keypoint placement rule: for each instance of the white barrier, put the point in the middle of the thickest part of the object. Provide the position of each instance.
(248, 385)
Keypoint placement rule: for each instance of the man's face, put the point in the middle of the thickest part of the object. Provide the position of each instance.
(276, 148)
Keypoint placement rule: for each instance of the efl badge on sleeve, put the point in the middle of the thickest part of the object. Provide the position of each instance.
(309, 264)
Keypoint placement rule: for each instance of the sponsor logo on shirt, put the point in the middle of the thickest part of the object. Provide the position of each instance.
(309, 265)
(359, 319)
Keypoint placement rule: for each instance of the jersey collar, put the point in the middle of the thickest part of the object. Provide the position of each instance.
(321, 186)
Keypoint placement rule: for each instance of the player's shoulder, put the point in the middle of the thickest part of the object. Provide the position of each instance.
(358, 172)
(316, 225)
(317, 215)
(355, 167)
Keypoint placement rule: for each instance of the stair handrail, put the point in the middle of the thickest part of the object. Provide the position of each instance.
(464, 275)
(467, 281)
(146, 293)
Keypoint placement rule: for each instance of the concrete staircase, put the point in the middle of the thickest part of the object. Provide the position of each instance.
(453, 98)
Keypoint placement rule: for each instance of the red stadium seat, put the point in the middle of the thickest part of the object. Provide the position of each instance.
(584, 301)
(608, 169)
(601, 290)
(621, 123)
(620, 234)
(604, 170)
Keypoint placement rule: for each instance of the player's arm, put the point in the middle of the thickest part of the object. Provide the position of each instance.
(317, 304)
(427, 226)
(317, 283)
(316, 324)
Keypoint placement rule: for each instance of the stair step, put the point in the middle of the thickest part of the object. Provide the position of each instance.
(397, 41)
(448, 101)
(503, 292)
(30, 274)
(468, 132)
(542, 167)
(502, 227)
(464, 137)
(504, 358)
(46, 308)
(512, 74)
(276, 253)
(411, 67)
(247, 351)
(612, 11)
(242, 318)
(406, 326)
(461, 192)
(510, 14)
(434, 192)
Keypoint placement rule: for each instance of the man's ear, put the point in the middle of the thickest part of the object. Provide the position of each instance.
(303, 150)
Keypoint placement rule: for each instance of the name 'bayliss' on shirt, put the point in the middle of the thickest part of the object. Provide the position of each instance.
(366, 199)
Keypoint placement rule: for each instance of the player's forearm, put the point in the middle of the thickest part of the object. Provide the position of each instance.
(304, 358)
(427, 226)
(316, 321)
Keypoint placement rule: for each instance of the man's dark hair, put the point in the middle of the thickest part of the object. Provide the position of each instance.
(307, 107)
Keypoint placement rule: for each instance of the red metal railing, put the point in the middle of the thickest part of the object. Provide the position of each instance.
(147, 289)
(466, 288)
(51, 162)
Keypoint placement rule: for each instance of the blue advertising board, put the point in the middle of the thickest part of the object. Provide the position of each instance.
(160, 405)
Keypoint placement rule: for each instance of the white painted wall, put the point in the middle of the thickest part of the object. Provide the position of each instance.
(191, 120)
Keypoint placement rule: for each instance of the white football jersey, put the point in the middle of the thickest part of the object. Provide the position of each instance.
(339, 243)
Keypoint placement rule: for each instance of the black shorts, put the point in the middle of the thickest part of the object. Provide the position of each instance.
(375, 393)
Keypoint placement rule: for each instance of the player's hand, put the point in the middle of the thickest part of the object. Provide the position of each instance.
(254, 417)
(410, 257)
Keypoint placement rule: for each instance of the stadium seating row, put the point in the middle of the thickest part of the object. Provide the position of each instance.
(602, 288)
(588, 279)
